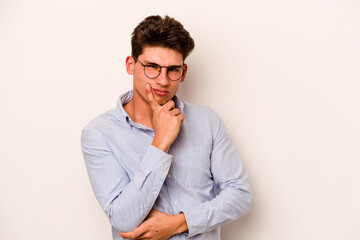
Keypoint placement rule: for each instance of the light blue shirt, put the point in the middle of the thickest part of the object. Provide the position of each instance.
(201, 176)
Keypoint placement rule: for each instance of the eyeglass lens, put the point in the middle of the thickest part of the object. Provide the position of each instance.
(173, 72)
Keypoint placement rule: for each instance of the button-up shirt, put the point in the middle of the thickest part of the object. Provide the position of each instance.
(201, 176)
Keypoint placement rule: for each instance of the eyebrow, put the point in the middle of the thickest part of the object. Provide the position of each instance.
(149, 63)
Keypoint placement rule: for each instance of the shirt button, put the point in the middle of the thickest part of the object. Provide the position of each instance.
(154, 193)
(166, 166)
(175, 202)
(169, 175)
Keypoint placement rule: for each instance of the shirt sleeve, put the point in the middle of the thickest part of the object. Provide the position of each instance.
(126, 202)
(230, 178)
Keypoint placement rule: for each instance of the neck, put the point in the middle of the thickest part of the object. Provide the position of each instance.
(139, 110)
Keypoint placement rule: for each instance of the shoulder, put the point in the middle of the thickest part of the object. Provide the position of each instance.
(200, 112)
(105, 123)
(205, 118)
(111, 119)
(197, 108)
(202, 118)
(102, 120)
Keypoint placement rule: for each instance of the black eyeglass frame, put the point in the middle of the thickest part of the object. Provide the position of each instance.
(167, 72)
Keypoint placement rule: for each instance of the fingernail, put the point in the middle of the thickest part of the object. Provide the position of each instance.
(147, 86)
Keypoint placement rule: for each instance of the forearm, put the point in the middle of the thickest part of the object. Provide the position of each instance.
(228, 206)
(230, 177)
(158, 225)
(126, 197)
(132, 206)
(180, 224)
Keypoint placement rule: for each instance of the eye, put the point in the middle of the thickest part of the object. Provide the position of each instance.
(152, 66)
(174, 69)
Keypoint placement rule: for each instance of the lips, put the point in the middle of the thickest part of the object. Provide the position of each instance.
(160, 92)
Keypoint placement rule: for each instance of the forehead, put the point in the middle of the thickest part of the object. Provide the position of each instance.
(162, 56)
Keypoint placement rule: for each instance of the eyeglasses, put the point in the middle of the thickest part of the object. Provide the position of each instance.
(153, 70)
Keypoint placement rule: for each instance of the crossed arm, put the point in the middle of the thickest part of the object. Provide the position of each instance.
(142, 222)
(158, 225)
(128, 204)
(114, 190)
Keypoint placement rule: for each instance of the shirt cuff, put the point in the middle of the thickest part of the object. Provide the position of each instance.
(191, 215)
(154, 160)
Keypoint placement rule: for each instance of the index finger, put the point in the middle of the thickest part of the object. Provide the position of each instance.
(150, 98)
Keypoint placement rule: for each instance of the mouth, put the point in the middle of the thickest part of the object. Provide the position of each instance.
(160, 92)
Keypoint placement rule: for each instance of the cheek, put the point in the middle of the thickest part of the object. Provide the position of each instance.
(139, 79)
(175, 87)
(139, 85)
(137, 76)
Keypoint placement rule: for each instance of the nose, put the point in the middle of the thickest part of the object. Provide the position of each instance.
(162, 79)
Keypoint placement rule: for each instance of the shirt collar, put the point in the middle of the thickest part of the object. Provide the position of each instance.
(126, 97)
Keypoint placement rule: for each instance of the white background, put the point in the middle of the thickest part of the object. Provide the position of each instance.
(283, 75)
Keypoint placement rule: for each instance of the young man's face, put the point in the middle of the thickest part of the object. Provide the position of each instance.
(163, 88)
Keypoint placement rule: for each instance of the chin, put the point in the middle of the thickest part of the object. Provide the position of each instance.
(162, 101)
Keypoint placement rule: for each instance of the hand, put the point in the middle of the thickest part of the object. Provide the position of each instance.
(166, 121)
(159, 226)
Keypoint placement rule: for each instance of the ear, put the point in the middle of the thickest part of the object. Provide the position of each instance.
(130, 65)
(185, 71)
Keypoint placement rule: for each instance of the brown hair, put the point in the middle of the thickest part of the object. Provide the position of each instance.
(164, 32)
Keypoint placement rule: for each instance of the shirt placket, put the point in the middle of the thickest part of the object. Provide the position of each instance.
(174, 196)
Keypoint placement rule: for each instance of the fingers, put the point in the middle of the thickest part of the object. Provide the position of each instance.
(169, 105)
(175, 111)
(181, 117)
(128, 235)
(135, 233)
(150, 98)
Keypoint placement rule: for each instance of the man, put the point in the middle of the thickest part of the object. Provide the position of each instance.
(162, 168)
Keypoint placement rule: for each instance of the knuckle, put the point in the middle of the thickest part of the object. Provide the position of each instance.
(148, 224)
(171, 103)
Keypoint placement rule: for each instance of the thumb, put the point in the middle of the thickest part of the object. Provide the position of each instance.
(150, 98)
